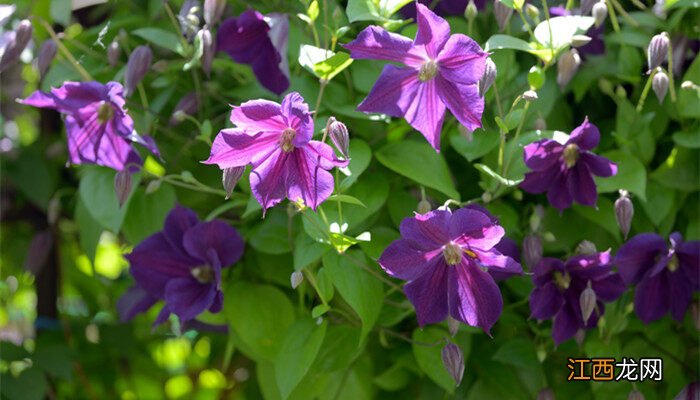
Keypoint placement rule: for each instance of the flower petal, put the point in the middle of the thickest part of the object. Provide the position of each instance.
(638, 256)
(433, 31)
(609, 288)
(306, 180)
(581, 185)
(96, 143)
(242, 37)
(542, 272)
(543, 154)
(427, 231)
(188, 298)
(463, 101)
(545, 301)
(154, 263)
(134, 301)
(428, 293)
(599, 166)
(462, 60)
(539, 181)
(558, 193)
(296, 113)
(404, 261)
(426, 112)
(681, 295)
(258, 115)
(375, 43)
(566, 323)
(267, 179)
(215, 236)
(178, 221)
(499, 266)
(474, 296)
(393, 93)
(689, 259)
(586, 135)
(41, 100)
(651, 298)
(324, 155)
(237, 148)
(474, 229)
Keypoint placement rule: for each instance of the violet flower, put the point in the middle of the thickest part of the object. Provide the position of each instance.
(446, 257)
(261, 42)
(565, 171)
(99, 129)
(276, 140)
(558, 288)
(666, 277)
(441, 70)
(181, 265)
(442, 8)
(596, 46)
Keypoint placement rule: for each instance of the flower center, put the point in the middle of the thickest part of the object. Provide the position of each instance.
(571, 154)
(672, 263)
(288, 136)
(105, 112)
(452, 253)
(428, 71)
(203, 274)
(562, 281)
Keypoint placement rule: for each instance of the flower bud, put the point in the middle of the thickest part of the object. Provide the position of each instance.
(47, 52)
(566, 67)
(113, 54)
(188, 105)
(452, 326)
(579, 337)
(53, 211)
(424, 207)
(540, 124)
(189, 18)
(687, 85)
(230, 178)
(213, 9)
(136, 68)
(580, 40)
(532, 12)
(659, 8)
(635, 395)
(453, 359)
(153, 186)
(586, 247)
(502, 14)
(545, 394)
(16, 45)
(122, 186)
(599, 12)
(489, 76)
(624, 211)
(208, 50)
(471, 11)
(587, 6)
(532, 250)
(296, 279)
(657, 51)
(338, 133)
(587, 302)
(659, 83)
(530, 95)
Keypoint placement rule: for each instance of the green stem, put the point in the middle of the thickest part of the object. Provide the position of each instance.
(672, 86)
(549, 26)
(321, 89)
(613, 16)
(176, 25)
(645, 92)
(312, 280)
(624, 13)
(517, 134)
(526, 24)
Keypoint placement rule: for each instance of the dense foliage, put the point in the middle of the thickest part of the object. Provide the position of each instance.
(447, 200)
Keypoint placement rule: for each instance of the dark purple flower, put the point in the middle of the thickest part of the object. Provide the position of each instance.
(558, 288)
(99, 129)
(441, 71)
(565, 171)
(276, 140)
(181, 265)
(261, 42)
(665, 277)
(443, 8)
(596, 46)
(446, 257)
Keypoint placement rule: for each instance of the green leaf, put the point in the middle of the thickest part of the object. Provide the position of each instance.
(359, 289)
(160, 37)
(419, 162)
(260, 316)
(690, 140)
(659, 203)
(603, 215)
(313, 11)
(147, 212)
(61, 11)
(307, 251)
(492, 174)
(89, 230)
(536, 77)
(345, 198)
(360, 157)
(519, 353)
(631, 175)
(498, 42)
(482, 142)
(319, 310)
(339, 348)
(332, 66)
(563, 30)
(689, 100)
(31, 384)
(298, 351)
(362, 10)
(429, 358)
(681, 170)
(271, 236)
(97, 194)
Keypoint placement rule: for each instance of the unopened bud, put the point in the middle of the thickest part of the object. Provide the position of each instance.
(586, 247)
(189, 18)
(153, 186)
(532, 12)
(230, 178)
(453, 359)
(13, 50)
(471, 11)
(624, 211)
(424, 207)
(486, 197)
(122, 186)
(587, 6)
(489, 76)
(213, 9)
(599, 12)
(579, 337)
(688, 85)
(502, 14)
(620, 92)
(587, 301)
(540, 124)
(532, 250)
(296, 279)
(530, 95)
(160, 66)
(188, 105)
(567, 66)
(657, 50)
(137, 67)
(339, 135)
(635, 395)
(452, 326)
(113, 54)
(208, 50)
(53, 211)
(47, 52)
(580, 40)
(660, 85)
(545, 394)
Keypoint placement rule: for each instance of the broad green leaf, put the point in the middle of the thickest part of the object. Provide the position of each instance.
(427, 346)
(659, 202)
(631, 175)
(482, 141)
(339, 348)
(332, 66)
(498, 42)
(272, 235)
(519, 353)
(61, 11)
(360, 157)
(160, 37)
(31, 384)
(419, 162)
(97, 194)
(310, 55)
(299, 349)
(681, 170)
(147, 213)
(563, 30)
(362, 291)
(603, 215)
(344, 198)
(89, 230)
(690, 140)
(362, 10)
(307, 251)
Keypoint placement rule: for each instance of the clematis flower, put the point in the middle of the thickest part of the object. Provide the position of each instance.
(99, 129)
(565, 170)
(596, 46)
(558, 288)
(666, 277)
(446, 257)
(181, 265)
(443, 8)
(441, 71)
(276, 140)
(261, 42)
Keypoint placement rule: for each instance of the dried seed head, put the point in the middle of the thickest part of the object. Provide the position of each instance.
(635, 395)
(660, 85)
(453, 359)
(136, 68)
(230, 178)
(208, 50)
(532, 250)
(599, 12)
(580, 40)
(657, 51)
(424, 207)
(47, 52)
(122, 186)
(471, 11)
(213, 9)
(339, 135)
(624, 211)
(587, 302)
(296, 279)
(567, 66)
(545, 394)
(488, 78)
(113, 54)
(188, 105)
(530, 95)
(502, 14)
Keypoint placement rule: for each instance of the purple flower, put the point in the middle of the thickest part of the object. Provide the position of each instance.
(276, 140)
(565, 171)
(446, 257)
(558, 288)
(181, 265)
(596, 46)
(442, 70)
(261, 42)
(99, 129)
(665, 277)
(443, 7)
